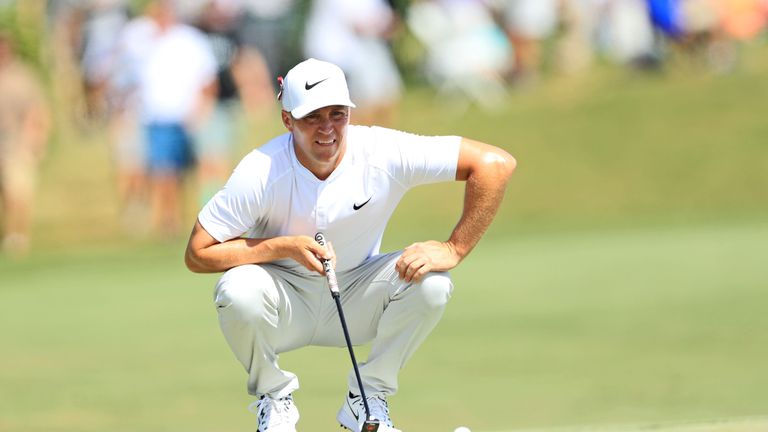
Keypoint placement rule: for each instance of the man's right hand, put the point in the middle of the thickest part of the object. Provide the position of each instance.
(205, 254)
(307, 252)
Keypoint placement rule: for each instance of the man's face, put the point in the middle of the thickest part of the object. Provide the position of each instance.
(319, 138)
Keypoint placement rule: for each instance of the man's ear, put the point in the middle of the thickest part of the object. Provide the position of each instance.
(287, 120)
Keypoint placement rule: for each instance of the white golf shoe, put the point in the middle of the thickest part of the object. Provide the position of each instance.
(275, 415)
(352, 413)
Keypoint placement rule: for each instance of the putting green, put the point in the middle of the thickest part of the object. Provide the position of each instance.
(748, 424)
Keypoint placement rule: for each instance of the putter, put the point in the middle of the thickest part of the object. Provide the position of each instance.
(370, 425)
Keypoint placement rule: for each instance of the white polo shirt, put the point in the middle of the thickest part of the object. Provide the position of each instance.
(173, 71)
(271, 194)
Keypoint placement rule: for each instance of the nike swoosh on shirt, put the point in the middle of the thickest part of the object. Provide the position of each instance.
(308, 86)
(359, 206)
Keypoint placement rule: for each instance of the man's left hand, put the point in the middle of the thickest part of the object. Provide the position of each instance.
(421, 258)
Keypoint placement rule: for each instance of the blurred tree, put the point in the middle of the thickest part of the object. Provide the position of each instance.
(24, 22)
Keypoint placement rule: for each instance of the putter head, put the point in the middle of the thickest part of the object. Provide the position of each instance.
(370, 425)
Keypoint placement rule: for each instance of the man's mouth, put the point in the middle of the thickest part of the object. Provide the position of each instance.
(326, 142)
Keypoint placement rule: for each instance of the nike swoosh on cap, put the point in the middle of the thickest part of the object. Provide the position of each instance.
(308, 86)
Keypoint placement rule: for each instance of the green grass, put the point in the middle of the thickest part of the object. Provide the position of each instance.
(746, 424)
(593, 328)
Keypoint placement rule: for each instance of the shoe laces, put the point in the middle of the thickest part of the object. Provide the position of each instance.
(272, 412)
(379, 409)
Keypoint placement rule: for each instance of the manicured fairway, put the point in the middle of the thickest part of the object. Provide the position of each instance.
(546, 330)
(749, 424)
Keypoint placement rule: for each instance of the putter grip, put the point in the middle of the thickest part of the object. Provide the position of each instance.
(330, 273)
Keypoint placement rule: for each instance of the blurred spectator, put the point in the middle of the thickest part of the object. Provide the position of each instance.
(215, 134)
(699, 16)
(667, 17)
(705, 30)
(104, 20)
(353, 34)
(689, 24)
(176, 88)
(738, 21)
(743, 19)
(528, 24)
(702, 39)
(125, 128)
(627, 33)
(255, 83)
(620, 30)
(467, 54)
(24, 128)
(576, 45)
(65, 20)
(271, 30)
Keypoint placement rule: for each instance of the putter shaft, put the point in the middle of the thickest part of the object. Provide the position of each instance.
(330, 274)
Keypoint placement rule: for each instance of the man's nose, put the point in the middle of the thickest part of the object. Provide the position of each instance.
(326, 126)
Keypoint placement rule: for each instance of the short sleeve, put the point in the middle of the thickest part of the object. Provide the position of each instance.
(415, 159)
(237, 207)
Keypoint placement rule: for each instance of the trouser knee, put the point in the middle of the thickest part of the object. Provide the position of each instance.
(435, 290)
(246, 293)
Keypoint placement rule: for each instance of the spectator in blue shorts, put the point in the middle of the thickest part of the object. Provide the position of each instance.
(176, 87)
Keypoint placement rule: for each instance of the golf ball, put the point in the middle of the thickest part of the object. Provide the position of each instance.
(462, 429)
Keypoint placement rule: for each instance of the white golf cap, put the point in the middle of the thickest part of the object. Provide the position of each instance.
(313, 84)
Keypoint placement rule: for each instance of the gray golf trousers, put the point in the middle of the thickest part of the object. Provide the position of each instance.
(265, 310)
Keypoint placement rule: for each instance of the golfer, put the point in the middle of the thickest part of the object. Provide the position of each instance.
(344, 180)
